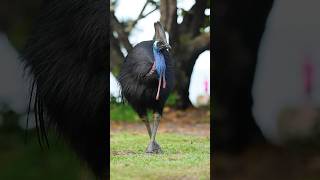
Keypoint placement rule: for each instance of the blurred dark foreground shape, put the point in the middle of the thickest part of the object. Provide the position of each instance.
(238, 29)
(64, 48)
(266, 90)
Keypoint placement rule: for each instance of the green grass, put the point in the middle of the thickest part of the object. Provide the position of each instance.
(184, 157)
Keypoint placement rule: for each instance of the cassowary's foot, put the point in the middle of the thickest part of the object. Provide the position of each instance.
(153, 148)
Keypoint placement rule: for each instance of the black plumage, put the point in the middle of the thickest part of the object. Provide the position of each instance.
(66, 55)
(139, 89)
(139, 83)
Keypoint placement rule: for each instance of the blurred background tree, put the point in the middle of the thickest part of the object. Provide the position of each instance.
(188, 38)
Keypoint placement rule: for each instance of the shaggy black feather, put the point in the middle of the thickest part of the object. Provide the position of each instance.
(137, 87)
(67, 55)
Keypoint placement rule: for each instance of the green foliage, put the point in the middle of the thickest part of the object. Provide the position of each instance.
(122, 112)
(115, 70)
(172, 100)
(184, 157)
(9, 120)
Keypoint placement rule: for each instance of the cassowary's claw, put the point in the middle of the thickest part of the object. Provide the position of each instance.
(153, 148)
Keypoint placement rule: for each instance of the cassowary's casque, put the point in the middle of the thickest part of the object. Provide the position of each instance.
(67, 55)
(146, 79)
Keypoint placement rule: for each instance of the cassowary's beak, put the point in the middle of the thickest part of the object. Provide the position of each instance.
(160, 34)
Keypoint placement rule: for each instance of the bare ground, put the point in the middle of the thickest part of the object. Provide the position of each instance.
(191, 121)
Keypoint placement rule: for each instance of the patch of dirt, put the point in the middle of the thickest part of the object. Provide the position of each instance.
(188, 116)
(191, 122)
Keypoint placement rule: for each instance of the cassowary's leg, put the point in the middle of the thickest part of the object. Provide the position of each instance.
(146, 122)
(149, 128)
(153, 147)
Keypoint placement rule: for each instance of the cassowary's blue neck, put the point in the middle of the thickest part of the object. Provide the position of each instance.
(159, 60)
(160, 66)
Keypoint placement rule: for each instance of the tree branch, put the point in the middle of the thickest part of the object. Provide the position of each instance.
(168, 11)
(116, 45)
(194, 18)
(133, 24)
(200, 43)
(116, 55)
(123, 36)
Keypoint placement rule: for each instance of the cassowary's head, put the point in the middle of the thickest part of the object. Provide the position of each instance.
(160, 37)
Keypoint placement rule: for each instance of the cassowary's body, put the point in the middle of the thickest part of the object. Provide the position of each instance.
(146, 79)
(66, 55)
(140, 89)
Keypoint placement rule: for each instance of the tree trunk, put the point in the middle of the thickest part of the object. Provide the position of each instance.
(168, 11)
(187, 43)
(116, 56)
(183, 81)
(186, 40)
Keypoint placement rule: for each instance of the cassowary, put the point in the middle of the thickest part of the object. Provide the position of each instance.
(66, 55)
(146, 79)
